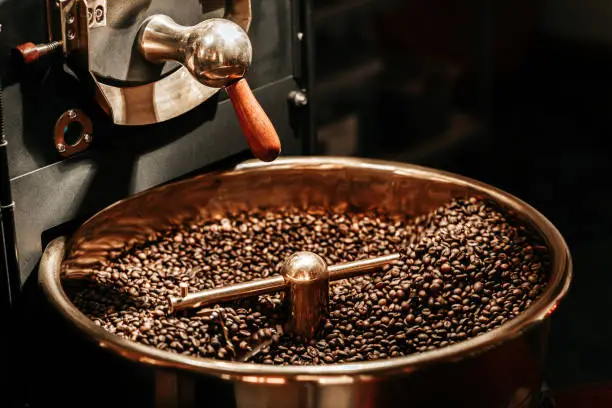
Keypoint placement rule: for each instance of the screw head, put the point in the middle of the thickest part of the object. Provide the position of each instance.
(72, 114)
(61, 148)
(87, 138)
(299, 98)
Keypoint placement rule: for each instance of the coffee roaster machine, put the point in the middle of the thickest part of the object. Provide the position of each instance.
(105, 99)
(93, 113)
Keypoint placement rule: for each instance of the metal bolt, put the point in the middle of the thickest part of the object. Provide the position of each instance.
(70, 34)
(299, 98)
(61, 148)
(72, 114)
(70, 18)
(87, 138)
(33, 52)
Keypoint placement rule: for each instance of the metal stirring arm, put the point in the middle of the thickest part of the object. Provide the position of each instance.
(304, 276)
(226, 294)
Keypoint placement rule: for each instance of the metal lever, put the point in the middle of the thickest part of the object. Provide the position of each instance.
(218, 53)
(304, 276)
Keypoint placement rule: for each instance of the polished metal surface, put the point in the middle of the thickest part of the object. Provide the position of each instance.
(307, 278)
(350, 269)
(216, 51)
(221, 294)
(501, 368)
(257, 287)
(156, 102)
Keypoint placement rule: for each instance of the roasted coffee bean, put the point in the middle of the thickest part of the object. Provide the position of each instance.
(466, 268)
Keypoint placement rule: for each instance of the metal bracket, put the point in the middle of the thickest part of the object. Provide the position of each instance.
(63, 125)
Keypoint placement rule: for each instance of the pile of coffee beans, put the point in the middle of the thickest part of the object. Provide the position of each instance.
(466, 268)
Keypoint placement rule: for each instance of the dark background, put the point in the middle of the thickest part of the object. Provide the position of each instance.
(514, 93)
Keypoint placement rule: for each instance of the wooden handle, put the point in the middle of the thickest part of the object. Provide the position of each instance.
(256, 126)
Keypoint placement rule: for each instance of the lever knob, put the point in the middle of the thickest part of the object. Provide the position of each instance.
(218, 53)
